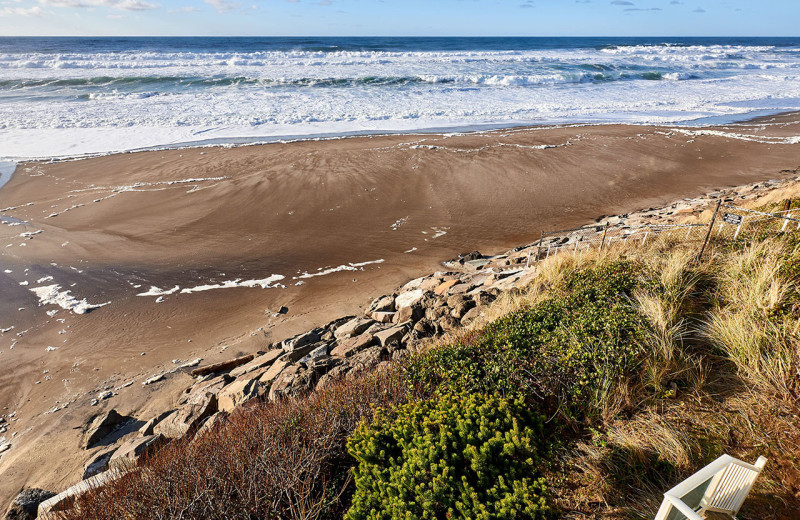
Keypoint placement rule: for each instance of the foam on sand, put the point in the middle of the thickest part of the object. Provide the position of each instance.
(359, 266)
(265, 283)
(53, 295)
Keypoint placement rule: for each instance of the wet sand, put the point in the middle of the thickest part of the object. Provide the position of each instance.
(372, 212)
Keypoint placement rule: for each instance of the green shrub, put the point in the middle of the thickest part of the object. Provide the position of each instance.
(453, 457)
(567, 349)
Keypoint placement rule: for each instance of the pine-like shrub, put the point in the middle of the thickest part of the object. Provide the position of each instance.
(565, 350)
(453, 457)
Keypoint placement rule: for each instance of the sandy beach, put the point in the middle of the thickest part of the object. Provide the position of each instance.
(117, 268)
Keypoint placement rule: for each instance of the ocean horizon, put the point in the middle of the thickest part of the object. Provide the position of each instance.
(75, 96)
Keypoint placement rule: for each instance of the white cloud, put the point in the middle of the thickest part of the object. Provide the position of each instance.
(222, 6)
(21, 11)
(123, 5)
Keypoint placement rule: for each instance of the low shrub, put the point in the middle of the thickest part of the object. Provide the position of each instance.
(567, 350)
(453, 457)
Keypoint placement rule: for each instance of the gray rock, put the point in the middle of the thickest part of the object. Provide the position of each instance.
(101, 426)
(383, 316)
(25, 505)
(259, 362)
(301, 340)
(392, 335)
(186, 419)
(300, 352)
(366, 359)
(352, 328)
(461, 308)
(293, 381)
(197, 392)
(317, 353)
(353, 345)
(98, 463)
(382, 304)
(148, 427)
(411, 313)
(407, 299)
(241, 391)
(130, 452)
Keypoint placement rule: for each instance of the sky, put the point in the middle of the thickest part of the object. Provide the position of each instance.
(400, 17)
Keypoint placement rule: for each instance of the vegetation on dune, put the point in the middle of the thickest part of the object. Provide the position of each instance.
(469, 456)
(609, 379)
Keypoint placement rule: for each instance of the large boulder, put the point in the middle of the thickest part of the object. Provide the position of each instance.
(130, 452)
(293, 381)
(98, 463)
(66, 498)
(301, 340)
(101, 426)
(407, 299)
(352, 328)
(301, 352)
(366, 359)
(382, 304)
(391, 335)
(197, 392)
(25, 505)
(239, 392)
(383, 316)
(261, 361)
(186, 419)
(272, 373)
(353, 345)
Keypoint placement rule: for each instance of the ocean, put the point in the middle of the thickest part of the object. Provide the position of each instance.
(70, 97)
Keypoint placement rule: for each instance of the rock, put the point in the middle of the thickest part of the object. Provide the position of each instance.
(323, 365)
(197, 392)
(366, 359)
(239, 392)
(317, 353)
(434, 314)
(407, 299)
(444, 287)
(291, 382)
(147, 428)
(424, 328)
(186, 419)
(222, 367)
(383, 317)
(460, 288)
(448, 323)
(353, 345)
(274, 371)
(66, 498)
(412, 313)
(98, 463)
(300, 352)
(127, 455)
(101, 426)
(352, 328)
(210, 423)
(259, 362)
(470, 316)
(392, 335)
(412, 285)
(25, 505)
(155, 379)
(301, 340)
(332, 376)
(461, 308)
(381, 304)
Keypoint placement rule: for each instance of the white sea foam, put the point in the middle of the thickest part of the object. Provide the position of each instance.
(265, 283)
(102, 102)
(359, 266)
(53, 295)
(155, 291)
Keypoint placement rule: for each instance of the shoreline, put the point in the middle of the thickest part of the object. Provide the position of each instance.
(206, 217)
(239, 142)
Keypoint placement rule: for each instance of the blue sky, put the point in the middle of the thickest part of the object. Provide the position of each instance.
(402, 17)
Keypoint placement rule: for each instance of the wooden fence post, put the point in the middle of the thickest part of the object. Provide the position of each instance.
(603, 241)
(710, 227)
(539, 249)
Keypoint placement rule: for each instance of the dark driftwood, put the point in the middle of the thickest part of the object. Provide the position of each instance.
(221, 367)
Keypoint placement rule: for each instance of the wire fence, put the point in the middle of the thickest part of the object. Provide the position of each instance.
(728, 223)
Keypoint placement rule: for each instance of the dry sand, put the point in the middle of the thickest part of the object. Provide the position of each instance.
(112, 227)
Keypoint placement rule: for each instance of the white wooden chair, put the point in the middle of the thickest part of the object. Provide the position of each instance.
(720, 487)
